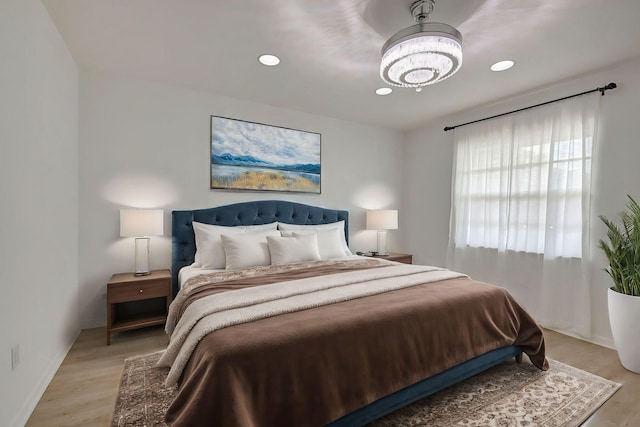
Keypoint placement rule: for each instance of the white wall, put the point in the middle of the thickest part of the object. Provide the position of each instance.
(429, 156)
(39, 193)
(147, 145)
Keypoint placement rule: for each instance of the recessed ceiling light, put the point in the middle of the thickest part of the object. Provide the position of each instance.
(269, 60)
(384, 91)
(502, 65)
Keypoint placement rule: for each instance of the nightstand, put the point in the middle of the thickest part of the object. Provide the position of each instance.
(125, 288)
(404, 258)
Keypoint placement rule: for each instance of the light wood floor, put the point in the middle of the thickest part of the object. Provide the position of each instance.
(83, 391)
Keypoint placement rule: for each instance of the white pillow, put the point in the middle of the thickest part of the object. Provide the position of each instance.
(319, 227)
(285, 250)
(247, 249)
(329, 243)
(209, 251)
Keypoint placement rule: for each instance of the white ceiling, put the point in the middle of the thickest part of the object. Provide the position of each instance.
(330, 49)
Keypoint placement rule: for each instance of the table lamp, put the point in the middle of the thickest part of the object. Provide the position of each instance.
(140, 224)
(382, 220)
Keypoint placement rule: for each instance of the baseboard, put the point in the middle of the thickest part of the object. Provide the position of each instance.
(598, 340)
(603, 341)
(34, 397)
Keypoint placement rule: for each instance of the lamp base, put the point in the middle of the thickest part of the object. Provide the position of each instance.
(142, 256)
(382, 243)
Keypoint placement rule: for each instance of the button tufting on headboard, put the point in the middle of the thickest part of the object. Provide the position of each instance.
(248, 213)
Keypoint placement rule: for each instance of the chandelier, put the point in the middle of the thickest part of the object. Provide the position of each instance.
(422, 54)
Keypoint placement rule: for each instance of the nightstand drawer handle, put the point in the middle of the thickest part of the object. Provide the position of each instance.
(140, 290)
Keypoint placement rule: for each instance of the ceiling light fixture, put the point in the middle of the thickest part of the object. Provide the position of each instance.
(422, 54)
(269, 60)
(502, 65)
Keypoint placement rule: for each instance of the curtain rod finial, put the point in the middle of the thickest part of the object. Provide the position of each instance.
(607, 87)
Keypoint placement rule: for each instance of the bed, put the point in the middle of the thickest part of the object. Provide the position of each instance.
(367, 347)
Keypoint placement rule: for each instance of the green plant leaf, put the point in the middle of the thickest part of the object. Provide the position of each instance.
(622, 249)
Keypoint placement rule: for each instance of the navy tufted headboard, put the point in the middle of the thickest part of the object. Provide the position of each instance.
(249, 213)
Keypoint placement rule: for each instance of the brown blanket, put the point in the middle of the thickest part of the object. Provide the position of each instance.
(311, 367)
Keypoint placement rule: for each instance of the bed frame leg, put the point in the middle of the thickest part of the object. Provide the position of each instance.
(519, 358)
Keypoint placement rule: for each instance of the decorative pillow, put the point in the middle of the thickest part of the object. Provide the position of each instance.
(318, 227)
(247, 249)
(285, 250)
(209, 251)
(329, 243)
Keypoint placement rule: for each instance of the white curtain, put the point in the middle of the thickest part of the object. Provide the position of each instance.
(521, 207)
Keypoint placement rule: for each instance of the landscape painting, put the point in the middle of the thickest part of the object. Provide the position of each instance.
(254, 156)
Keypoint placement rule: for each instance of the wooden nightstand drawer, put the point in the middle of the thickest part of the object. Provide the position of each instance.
(139, 291)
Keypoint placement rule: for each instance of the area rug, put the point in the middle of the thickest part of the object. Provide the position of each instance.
(509, 394)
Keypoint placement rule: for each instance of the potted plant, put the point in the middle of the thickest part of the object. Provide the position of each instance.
(622, 249)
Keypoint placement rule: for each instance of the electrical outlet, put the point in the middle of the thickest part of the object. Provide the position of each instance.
(15, 357)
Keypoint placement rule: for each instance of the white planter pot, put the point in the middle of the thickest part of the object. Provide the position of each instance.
(624, 317)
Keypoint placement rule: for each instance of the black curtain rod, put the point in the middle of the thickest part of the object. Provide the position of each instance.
(598, 89)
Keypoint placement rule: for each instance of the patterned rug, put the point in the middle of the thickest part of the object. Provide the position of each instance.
(510, 394)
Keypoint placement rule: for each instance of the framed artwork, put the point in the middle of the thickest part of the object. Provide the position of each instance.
(258, 157)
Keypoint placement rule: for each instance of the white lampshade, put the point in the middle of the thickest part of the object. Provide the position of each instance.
(141, 222)
(382, 220)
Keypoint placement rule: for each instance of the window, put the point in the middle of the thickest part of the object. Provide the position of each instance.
(522, 181)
